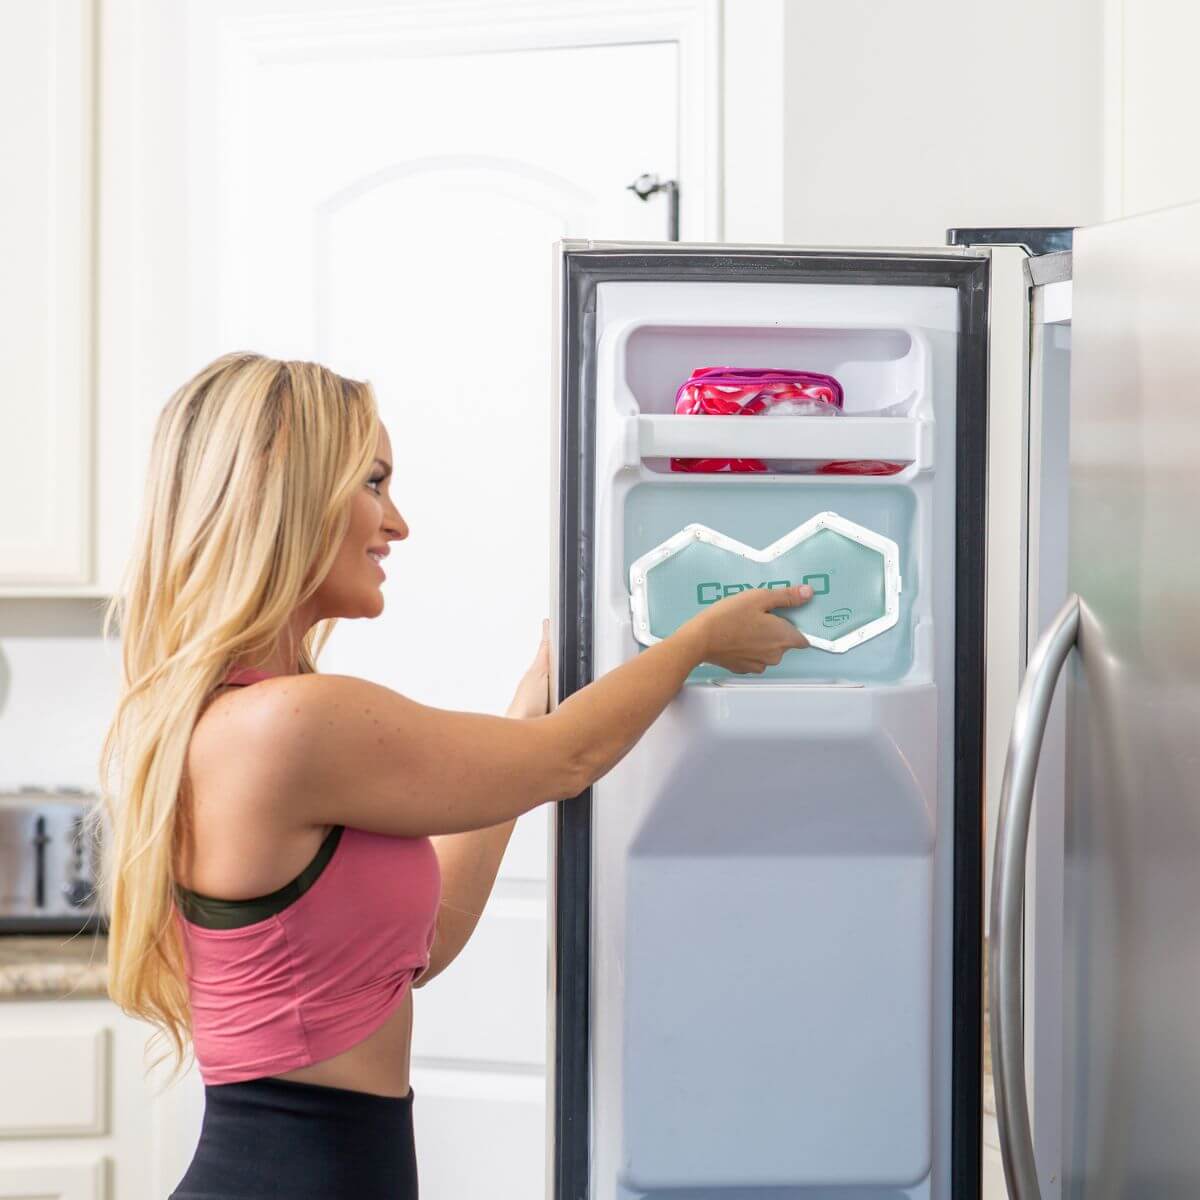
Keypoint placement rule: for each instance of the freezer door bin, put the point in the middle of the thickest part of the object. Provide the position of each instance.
(766, 961)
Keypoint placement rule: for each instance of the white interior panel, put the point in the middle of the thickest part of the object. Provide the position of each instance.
(772, 861)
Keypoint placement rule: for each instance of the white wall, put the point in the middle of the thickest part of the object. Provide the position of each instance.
(58, 688)
(905, 119)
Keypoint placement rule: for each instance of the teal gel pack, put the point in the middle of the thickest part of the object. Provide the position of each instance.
(854, 574)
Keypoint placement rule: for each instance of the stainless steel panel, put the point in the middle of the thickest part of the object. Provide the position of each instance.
(1132, 881)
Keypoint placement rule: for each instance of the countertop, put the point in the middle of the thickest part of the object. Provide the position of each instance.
(53, 965)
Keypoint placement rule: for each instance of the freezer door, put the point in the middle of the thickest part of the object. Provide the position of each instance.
(766, 917)
(1132, 881)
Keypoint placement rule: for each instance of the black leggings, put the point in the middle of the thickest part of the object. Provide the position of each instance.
(279, 1138)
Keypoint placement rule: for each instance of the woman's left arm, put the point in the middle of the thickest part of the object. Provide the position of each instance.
(469, 861)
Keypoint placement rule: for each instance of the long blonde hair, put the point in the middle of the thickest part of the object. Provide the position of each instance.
(253, 466)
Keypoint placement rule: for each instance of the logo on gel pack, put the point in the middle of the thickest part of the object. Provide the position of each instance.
(710, 593)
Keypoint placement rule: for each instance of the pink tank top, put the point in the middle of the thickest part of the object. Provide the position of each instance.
(294, 977)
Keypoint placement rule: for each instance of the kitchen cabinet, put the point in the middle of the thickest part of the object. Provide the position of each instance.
(76, 416)
(80, 1118)
(82, 1181)
(1151, 95)
(46, 245)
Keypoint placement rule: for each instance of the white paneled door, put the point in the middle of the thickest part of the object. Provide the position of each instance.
(381, 191)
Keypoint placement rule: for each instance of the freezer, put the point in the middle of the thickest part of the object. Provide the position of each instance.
(766, 919)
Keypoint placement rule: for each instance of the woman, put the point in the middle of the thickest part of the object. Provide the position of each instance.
(273, 887)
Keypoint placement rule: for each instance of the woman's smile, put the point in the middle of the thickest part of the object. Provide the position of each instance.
(377, 554)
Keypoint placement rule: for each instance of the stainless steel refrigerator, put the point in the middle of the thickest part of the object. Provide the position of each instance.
(766, 918)
(1095, 935)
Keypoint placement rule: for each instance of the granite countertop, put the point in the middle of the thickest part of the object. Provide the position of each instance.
(53, 965)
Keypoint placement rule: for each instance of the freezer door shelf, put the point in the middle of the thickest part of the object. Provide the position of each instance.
(893, 439)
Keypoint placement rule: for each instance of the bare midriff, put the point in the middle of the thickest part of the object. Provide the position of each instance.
(378, 1064)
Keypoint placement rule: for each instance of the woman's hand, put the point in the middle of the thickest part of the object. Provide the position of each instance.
(742, 634)
(532, 698)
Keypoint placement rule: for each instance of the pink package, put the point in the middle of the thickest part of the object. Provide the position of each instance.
(729, 391)
(733, 391)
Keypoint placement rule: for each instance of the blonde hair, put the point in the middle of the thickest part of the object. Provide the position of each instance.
(253, 466)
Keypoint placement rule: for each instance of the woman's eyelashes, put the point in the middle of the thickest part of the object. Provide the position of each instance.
(372, 482)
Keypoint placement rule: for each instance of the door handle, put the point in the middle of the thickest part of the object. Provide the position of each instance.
(645, 186)
(1008, 895)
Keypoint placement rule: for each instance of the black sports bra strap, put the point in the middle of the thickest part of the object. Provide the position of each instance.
(213, 912)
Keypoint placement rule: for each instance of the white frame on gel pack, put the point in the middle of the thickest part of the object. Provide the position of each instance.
(640, 569)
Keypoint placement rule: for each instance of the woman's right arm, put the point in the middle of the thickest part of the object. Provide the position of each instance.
(335, 749)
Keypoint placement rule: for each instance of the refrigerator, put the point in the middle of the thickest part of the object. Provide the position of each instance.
(1094, 952)
(766, 921)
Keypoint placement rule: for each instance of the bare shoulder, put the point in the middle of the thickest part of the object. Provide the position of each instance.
(272, 714)
(336, 749)
(302, 750)
(248, 837)
(271, 731)
(291, 710)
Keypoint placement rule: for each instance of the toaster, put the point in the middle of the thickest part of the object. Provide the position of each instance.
(48, 863)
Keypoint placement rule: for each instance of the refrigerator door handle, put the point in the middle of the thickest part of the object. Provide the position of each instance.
(1008, 895)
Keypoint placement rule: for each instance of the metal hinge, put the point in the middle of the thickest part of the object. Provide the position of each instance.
(1033, 239)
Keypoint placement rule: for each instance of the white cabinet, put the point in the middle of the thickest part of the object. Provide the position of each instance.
(75, 415)
(1151, 96)
(67, 1069)
(46, 247)
(53, 1181)
(80, 1118)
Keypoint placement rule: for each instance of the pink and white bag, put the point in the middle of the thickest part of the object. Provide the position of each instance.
(730, 391)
